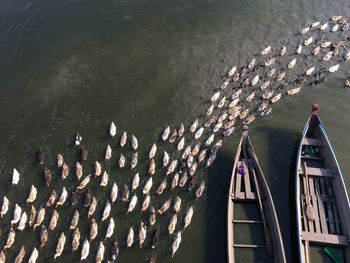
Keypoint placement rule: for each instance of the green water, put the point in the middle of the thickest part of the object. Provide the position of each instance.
(78, 65)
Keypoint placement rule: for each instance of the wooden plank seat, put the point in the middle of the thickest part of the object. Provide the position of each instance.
(325, 238)
(246, 221)
(316, 158)
(312, 142)
(248, 246)
(315, 171)
(244, 180)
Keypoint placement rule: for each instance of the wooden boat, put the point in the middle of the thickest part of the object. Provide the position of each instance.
(322, 203)
(248, 187)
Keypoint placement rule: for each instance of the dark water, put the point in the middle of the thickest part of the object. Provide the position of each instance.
(78, 65)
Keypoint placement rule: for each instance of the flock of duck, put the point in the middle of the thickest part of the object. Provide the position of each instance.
(246, 92)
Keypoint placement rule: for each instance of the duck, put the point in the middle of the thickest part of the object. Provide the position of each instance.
(250, 97)
(130, 237)
(152, 151)
(65, 171)
(165, 206)
(281, 76)
(190, 161)
(188, 217)
(220, 105)
(32, 194)
(196, 149)
(22, 221)
(176, 243)
(78, 170)
(32, 216)
(315, 24)
(210, 110)
(132, 204)
(335, 28)
(228, 131)
(33, 256)
(309, 71)
(235, 77)
(106, 211)
(152, 167)
(125, 195)
(276, 98)
(334, 68)
(104, 179)
(183, 180)
(60, 160)
(60, 245)
(16, 214)
(166, 159)
(181, 130)
(2, 257)
(265, 84)
(211, 160)
(217, 127)
(215, 96)
(210, 140)
(172, 224)
(47, 176)
(83, 153)
(85, 250)
(74, 198)
(308, 41)
(10, 238)
(76, 239)
(15, 177)
(5, 206)
(41, 156)
(77, 139)
(75, 220)
(165, 134)
(20, 256)
(186, 152)
(177, 204)
(84, 182)
(299, 49)
(305, 30)
(181, 144)
(147, 186)
(53, 220)
(93, 229)
(112, 129)
(115, 250)
(114, 192)
(194, 125)
(200, 190)
(268, 94)
(271, 72)
(92, 206)
(100, 252)
(175, 181)
(266, 50)
(110, 228)
(62, 198)
(134, 160)
(142, 233)
(121, 162)
(171, 167)
(152, 217)
(134, 142)
(161, 187)
(293, 91)
(251, 63)
(198, 133)
(328, 56)
(232, 71)
(269, 62)
(326, 44)
(191, 183)
(40, 217)
(324, 26)
(283, 51)
(254, 80)
(316, 50)
(108, 154)
(243, 114)
(123, 139)
(44, 236)
(146, 203)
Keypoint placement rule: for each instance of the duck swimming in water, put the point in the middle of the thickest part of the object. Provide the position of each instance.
(305, 30)
(152, 167)
(107, 210)
(132, 204)
(121, 162)
(76, 239)
(19, 258)
(161, 187)
(5, 206)
(108, 153)
(232, 71)
(165, 206)
(334, 68)
(114, 193)
(15, 177)
(63, 197)
(115, 250)
(176, 243)
(53, 220)
(85, 250)
(152, 217)
(75, 220)
(33, 256)
(123, 139)
(92, 206)
(32, 216)
(130, 238)
(134, 160)
(60, 160)
(125, 195)
(155, 238)
(10, 238)
(134, 142)
(147, 186)
(177, 204)
(44, 236)
(47, 175)
(83, 153)
(41, 156)
(77, 139)
(200, 190)
(112, 129)
(324, 26)
(32, 194)
(60, 245)
(40, 217)
(100, 253)
(65, 171)
(188, 217)
(16, 214)
(146, 203)
(93, 229)
(165, 134)
(110, 228)
(308, 41)
(22, 222)
(172, 224)
(142, 233)
(175, 181)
